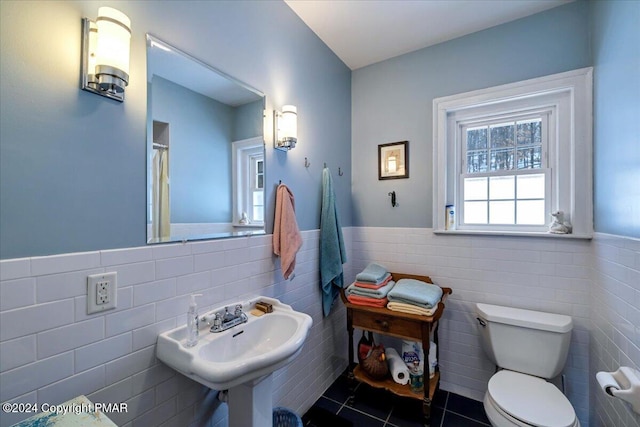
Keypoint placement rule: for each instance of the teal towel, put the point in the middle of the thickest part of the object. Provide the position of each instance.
(332, 251)
(416, 292)
(381, 292)
(372, 273)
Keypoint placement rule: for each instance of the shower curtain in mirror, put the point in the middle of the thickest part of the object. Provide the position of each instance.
(160, 206)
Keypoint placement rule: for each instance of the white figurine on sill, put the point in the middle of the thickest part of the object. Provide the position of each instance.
(559, 225)
(244, 220)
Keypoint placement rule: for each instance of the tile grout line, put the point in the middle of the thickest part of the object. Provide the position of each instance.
(361, 412)
(446, 402)
(358, 410)
(444, 410)
(387, 423)
(331, 399)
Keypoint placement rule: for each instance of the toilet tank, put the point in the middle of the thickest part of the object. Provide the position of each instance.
(527, 341)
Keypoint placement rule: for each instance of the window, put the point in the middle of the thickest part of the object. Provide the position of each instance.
(248, 176)
(509, 156)
(257, 188)
(504, 173)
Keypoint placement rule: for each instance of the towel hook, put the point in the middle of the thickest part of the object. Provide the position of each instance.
(340, 173)
(306, 163)
(393, 198)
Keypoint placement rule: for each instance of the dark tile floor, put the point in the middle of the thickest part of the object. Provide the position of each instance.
(379, 408)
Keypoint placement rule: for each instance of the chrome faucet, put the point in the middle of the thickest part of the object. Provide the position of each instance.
(228, 317)
(223, 322)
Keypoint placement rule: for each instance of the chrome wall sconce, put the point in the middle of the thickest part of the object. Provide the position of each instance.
(286, 128)
(106, 44)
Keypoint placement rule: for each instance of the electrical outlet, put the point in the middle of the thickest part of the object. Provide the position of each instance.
(101, 292)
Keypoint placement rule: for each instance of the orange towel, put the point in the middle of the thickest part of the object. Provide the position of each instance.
(373, 285)
(286, 236)
(371, 302)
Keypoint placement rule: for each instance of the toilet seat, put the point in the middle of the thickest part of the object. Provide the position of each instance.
(531, 400)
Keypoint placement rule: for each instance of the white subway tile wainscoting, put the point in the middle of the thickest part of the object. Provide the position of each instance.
(52, 351)
(615, 314)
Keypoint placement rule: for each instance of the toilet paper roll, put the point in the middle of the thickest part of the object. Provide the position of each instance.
(623, 384)
(607, 382)
(397, 367)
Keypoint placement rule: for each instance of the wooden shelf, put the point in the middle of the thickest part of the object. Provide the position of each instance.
(395, 388)
(400, 325)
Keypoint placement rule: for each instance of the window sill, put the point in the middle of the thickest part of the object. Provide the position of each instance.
(252, 225)
(514, 234)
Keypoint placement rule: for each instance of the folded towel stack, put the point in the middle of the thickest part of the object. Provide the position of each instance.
(372, 273)
(371, 287)
(415, 297)
(381, 292)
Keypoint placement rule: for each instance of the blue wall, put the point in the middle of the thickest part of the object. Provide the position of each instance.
(200, 130)
(72, 164)
(616, 58)
(392, 100)
(248, 121)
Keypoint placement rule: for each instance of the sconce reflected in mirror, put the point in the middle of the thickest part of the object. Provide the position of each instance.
(286, 128)
(106, 44)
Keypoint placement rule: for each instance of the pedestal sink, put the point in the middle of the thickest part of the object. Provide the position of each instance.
(240, 359)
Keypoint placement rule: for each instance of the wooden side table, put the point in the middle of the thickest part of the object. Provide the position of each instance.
(400, 325)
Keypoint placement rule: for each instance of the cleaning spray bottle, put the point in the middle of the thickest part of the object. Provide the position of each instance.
(192, 322)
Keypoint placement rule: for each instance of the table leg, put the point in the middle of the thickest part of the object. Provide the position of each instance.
(426, 402)
(351, 379)
(426, 411)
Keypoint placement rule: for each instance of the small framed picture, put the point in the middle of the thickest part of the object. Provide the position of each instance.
(393, 160)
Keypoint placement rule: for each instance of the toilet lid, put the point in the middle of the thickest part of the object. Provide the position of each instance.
(531, 400)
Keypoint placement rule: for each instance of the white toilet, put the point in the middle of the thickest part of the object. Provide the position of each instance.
(529, 347)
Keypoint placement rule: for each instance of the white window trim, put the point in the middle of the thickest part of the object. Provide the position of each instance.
(573, 162)
(242, 149)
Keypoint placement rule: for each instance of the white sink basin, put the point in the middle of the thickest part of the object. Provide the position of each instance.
(241, 354)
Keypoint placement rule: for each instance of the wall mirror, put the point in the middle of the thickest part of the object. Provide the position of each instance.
(205, 150)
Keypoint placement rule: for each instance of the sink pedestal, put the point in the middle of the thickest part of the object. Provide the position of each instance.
(251, 403)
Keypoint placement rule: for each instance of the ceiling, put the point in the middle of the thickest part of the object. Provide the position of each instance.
(363, 32)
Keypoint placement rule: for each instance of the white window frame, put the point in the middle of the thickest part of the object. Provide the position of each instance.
(547, 117)
(243, 154)
(568, 97)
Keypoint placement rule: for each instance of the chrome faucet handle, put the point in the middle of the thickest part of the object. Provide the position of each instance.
(204, 318)
(238, 311)
(217, 321)
(228, 316)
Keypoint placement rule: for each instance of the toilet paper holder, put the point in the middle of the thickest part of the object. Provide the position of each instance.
(623, 384)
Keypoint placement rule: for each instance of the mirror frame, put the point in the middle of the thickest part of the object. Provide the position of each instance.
(243, 231)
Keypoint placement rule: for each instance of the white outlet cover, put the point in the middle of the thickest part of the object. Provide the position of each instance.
(92, 292)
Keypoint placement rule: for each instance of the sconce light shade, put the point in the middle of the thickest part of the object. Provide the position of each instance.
(286, 126)
(105, 53)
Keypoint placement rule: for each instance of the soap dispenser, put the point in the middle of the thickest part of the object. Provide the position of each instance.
(192, 322)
